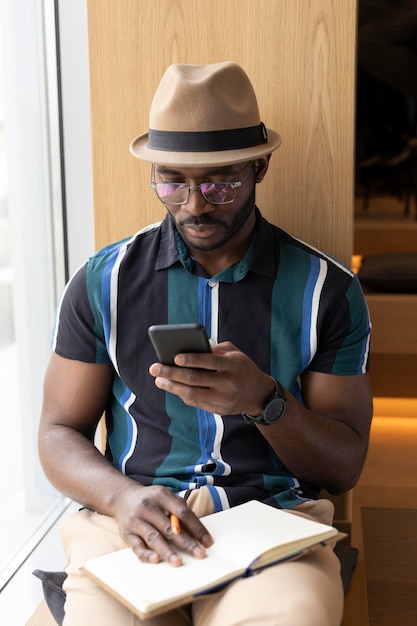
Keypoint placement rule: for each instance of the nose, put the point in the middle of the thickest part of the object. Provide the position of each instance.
(196, 203)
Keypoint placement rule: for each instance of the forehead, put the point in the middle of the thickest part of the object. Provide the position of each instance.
(198, 172)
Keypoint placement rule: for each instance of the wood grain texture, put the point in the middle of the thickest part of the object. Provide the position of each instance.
(385, 236)
(391, 565)
(394, 329)
(385, 513)
(300, 57)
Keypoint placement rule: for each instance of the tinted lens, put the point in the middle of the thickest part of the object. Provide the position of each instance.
(178, 193)
(218, 193)
(174, 193)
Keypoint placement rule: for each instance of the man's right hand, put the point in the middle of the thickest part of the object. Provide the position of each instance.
(75, 396)
(143, 515)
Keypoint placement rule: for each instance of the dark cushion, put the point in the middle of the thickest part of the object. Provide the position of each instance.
(54, 594)
(348, 558)
(389, 273)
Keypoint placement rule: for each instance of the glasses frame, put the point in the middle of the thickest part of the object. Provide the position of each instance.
(231, 184)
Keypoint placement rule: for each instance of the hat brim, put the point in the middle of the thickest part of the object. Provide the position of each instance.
(139, 149)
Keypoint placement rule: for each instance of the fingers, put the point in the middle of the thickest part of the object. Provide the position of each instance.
(175, 379)
(147, 527)
(194, 388)
(195, 385)
(190, 527)
(212, 382)
(207, 360)
(210, 371)
(153, 546)
(152, 549)
(225, 381)
(195, 362)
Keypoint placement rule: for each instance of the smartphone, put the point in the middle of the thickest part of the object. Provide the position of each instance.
(171, 339)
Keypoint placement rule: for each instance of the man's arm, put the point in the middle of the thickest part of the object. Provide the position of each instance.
(323, 443)
(75, 396)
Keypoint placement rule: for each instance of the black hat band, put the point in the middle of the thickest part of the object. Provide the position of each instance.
(208, 141)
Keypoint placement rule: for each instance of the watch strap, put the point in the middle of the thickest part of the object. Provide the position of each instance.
(260, 419)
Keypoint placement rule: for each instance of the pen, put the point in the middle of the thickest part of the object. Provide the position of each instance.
(175, 522)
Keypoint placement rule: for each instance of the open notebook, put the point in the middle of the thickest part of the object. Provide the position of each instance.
(247, 538)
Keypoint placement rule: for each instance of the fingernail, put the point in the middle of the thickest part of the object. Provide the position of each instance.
(175, 559)
(199, 552)
(207, 540)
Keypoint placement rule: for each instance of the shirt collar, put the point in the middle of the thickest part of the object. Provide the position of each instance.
(168, 252)
(261, 256)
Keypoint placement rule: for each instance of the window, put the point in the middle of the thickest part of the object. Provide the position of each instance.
(36, 246)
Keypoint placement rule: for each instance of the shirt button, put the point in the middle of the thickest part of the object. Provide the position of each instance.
(212, 283)
(214, 455)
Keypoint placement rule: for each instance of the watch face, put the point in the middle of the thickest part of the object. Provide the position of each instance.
(274, 410)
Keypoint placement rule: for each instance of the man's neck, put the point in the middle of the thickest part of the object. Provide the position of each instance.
(219, 259)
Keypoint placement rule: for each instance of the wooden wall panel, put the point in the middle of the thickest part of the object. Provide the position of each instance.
(300, 57)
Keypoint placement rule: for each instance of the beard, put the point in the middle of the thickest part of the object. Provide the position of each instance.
(229, 230)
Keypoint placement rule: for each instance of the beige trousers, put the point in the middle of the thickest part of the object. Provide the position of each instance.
(305, 592)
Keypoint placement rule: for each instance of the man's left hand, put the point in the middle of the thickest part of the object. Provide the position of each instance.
(225, 381)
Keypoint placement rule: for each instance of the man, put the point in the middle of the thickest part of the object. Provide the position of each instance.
(280, 408)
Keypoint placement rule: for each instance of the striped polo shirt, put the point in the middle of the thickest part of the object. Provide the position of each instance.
(286, 305)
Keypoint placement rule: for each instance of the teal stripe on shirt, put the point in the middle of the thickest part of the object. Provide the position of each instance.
(182, 296)
(287, 304)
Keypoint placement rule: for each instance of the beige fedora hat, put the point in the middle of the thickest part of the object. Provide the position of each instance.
(204, 115)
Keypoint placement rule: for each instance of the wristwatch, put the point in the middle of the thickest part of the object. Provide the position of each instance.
(273, 409)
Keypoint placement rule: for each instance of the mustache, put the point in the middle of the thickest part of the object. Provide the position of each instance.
(201, 220)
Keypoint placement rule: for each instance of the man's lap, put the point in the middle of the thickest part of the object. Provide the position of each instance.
(307, 590)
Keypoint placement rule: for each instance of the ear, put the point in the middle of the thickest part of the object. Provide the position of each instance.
(261, 167)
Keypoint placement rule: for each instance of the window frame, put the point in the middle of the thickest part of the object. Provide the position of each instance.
(51, 216)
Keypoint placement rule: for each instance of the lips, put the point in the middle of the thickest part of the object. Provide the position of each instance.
(200, 230)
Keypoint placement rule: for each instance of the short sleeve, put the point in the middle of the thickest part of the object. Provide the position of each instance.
(345, 334)
(78, 331)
